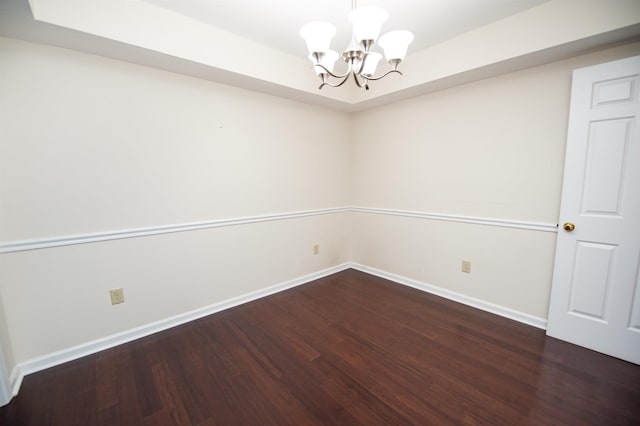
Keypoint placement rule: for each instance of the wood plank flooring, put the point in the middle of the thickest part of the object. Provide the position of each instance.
(349, 349)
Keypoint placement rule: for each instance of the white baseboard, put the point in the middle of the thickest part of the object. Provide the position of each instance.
(88, 348)
(456, 297)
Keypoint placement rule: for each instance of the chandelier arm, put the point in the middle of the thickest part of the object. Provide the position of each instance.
(355, 78)
(364, 58)
(346, 74)
(365, 83)
(384, 75)
(326, 83)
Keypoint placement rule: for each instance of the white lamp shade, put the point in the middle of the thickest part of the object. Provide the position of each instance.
(367, 22)
(328, 60)
(371, 63)
(395, 44)
(318, 35)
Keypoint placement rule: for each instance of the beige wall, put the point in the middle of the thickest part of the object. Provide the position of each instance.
(59, 297)
(91, 145)
(489, 149)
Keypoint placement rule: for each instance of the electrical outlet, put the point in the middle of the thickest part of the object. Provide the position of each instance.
(117, 296)
(316, 249)
(466, 266)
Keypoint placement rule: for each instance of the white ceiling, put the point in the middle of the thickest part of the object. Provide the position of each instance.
(254, 44)
(276, 22)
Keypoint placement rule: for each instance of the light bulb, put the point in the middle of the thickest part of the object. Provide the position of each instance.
(367, 22)
(370, 64)
(328, 60)
(395, 44)
(318, 35)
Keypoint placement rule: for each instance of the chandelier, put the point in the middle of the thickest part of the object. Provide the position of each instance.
(360, 59)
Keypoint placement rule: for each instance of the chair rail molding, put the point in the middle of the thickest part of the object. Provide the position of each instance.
(16, 246)
(505, 223)
(157, 230)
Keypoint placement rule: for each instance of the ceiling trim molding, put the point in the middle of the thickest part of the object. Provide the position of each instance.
(145, 34)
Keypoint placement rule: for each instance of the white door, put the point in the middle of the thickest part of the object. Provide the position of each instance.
(595, 298)
(4, 382)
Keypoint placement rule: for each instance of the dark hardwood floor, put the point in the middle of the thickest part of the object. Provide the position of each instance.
(344, 350)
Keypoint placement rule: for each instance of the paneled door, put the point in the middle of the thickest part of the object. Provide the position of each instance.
(595, 297)
(4, 382)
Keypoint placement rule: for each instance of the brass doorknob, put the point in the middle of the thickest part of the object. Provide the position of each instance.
(568, 226)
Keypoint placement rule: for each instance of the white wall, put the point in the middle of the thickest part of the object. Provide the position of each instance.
(101, 145)
(91, 145)
(489, 149)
